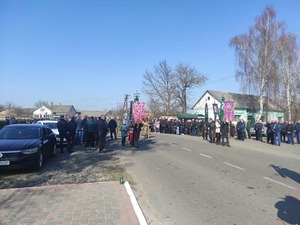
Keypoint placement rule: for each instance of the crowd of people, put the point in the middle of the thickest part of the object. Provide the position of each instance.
(213, 131)
(92, 131)
(217, 131)
(283, 132)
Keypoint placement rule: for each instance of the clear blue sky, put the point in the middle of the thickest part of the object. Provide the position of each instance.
(91, 53)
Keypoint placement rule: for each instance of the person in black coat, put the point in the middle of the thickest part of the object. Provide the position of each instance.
(224, 132)
(112, 125)
(290, 130)
(283, 132)
(269, 132)
(72, 127)
(136, 133)
(259, 128)
(102, 132)
(62, 126)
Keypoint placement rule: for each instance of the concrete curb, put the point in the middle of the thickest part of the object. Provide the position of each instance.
(135, 205)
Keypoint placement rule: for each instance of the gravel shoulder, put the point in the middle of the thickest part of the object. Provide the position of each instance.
(82, 166)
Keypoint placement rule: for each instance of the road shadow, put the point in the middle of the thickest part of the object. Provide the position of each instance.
(289, 210)
(144, 144)
(284, 172)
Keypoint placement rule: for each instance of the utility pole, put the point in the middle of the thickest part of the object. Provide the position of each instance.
(125, 106)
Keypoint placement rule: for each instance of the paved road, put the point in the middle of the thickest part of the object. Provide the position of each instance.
(182, 180)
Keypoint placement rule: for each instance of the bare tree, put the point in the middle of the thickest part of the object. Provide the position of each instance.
(160, 86)
(40, 103)
(256, 52)
(155, 107)
(187, 78)
(118, 111)
(288, 60)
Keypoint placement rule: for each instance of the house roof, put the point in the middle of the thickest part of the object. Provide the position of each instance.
(245, 101)
(95, 113)
(8, 112)
(60, 109)
(28, 111)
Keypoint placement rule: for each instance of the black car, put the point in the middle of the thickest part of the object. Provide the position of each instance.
(26, 145)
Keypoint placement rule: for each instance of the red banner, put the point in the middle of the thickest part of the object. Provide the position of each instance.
(138, 111)
(229, 110)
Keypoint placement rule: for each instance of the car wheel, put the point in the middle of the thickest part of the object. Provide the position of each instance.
(53, 150)
(39, 161)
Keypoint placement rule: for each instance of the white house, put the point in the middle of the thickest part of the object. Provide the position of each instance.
(54, 112)
(42, 113)
(246, 106)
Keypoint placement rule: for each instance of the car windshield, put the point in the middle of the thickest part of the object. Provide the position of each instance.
(51, 125)
(19, 133)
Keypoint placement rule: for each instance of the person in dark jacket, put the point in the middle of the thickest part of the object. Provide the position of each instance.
(136, 133)
(283, 132)
(241, 130)
(211, 131)
(269, 132)
(62, 126)
(102, 132)
(72, 127)
(224, 132)
(276, 129)
(248, 125)
(84, 129)
(91, 130)
(232, 129)
(297, 129)
(290, 132)
(259, 128)
(112, 125)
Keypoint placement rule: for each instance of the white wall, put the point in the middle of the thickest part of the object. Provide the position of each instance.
(42, 112)
(200, 106)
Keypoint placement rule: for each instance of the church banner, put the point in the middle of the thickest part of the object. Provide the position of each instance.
(229, 110)
(138, 111)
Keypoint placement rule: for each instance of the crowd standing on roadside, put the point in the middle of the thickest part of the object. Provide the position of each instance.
(91, 131)
(218, 132)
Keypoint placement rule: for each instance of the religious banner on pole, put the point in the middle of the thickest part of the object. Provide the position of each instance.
(138, 111)
(229, 110)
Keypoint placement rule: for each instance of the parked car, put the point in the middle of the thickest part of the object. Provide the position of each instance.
(52, 124)
(26, 145)
(264, 130)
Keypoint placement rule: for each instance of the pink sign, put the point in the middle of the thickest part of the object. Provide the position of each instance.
(229, 110)
(138, 111)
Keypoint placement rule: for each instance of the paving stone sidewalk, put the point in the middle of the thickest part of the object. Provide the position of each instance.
(103, 203)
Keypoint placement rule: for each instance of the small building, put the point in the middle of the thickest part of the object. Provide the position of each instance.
(7, 112)
(54, 112)
(245, 106)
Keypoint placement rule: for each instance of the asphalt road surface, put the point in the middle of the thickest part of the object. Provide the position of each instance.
(181, 180)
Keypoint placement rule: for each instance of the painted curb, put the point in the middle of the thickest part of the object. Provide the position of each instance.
(135, 205)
